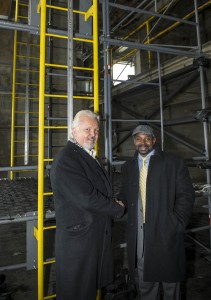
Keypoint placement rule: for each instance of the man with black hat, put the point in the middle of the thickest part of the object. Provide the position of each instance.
(159, 196)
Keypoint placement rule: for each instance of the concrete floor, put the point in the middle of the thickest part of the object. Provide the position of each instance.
(198, 283)
(23, 283)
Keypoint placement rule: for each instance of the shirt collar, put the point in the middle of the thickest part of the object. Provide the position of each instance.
(148, 155)
(91, 152)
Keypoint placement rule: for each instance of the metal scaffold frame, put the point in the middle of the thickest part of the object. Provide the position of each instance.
(18, 98)
(70, 67)
(47, 32)
(195, 53)
(45, 117)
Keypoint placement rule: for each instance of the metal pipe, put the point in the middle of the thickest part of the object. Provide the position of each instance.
(20, 219)
(203, 104)
(70, 68)
(136, 115)
(201, 164)
(96, 56)
(165, 79)
(200, 244)
(95, 61)
(161, 100)
(150, 13)
(136, 82)
(12, 146)
(184, 84)
(27, 104)
(165, 8)
(148, 42)
(122, 141)
(135, 120)
(19, 168)
(156, 6)
(199, 228)
(154, 48)
(107, 88)
(50, 83)
(166, 123)
(105, 112)
(181, 121)
(40, 233)
(36, 30)
(18, 26)
(181, 141)
(175, 122)
(13, 267)
(125, 18)
(165, 30)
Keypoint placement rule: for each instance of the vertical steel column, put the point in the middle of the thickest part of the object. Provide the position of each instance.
(40, 233)
(26, 139)
(148, 42)
(107, 87)
(161, 100)
(156, 6)
(203, 101)
(70, 67)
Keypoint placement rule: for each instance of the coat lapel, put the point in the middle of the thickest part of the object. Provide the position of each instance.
(95, 165)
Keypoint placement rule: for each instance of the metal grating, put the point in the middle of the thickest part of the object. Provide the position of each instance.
(18, 198)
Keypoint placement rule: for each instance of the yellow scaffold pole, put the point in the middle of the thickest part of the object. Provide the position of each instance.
(95, 54)
(40, 232)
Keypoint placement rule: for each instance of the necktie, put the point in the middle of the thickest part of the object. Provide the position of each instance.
(143, 179)
(91, 152)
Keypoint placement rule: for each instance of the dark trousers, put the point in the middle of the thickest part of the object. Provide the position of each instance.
(152, 290)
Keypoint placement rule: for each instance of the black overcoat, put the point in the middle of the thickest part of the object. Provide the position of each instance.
(83, 207)
(169, 202)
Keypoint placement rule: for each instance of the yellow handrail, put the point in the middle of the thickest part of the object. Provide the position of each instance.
(146, 23)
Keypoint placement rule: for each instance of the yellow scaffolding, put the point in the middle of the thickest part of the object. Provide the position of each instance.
(21, 85)
(91, 13)
(149, 37)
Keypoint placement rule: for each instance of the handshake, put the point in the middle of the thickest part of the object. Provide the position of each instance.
(119, 202)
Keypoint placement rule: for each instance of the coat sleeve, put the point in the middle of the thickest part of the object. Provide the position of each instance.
(73, 184)
(122, 193)
(184, 194)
